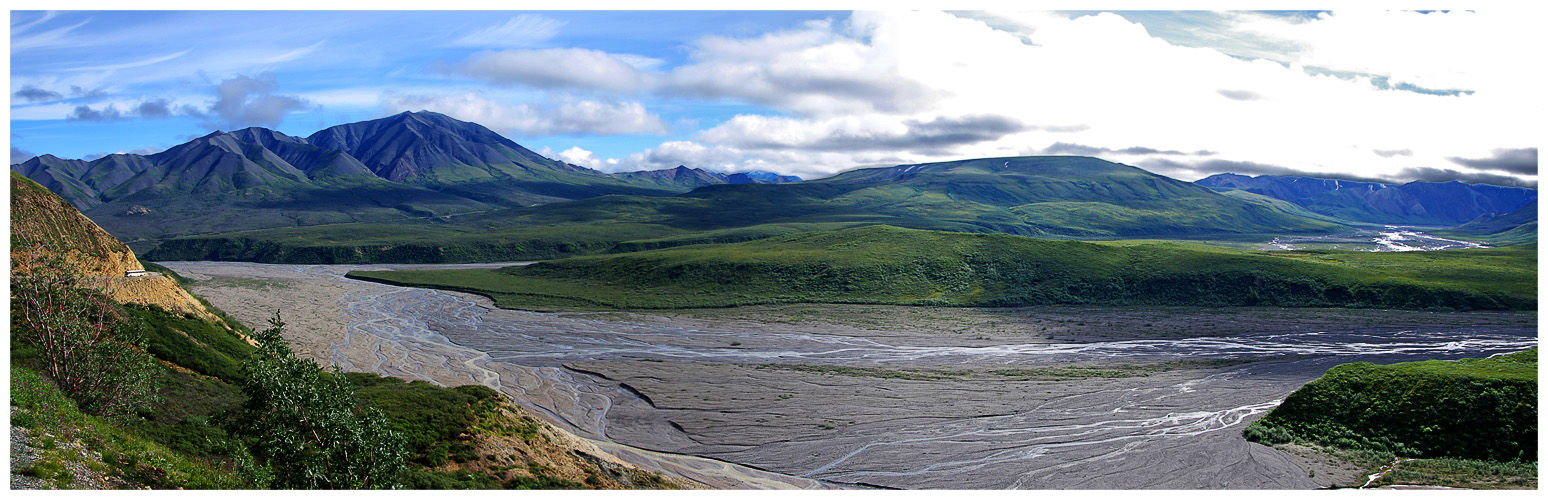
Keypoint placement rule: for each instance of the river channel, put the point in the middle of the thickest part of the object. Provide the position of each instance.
(810, 403)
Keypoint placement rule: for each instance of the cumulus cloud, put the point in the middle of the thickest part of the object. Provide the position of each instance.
(154, 108)
(88, 114)
(1200, 169)
(673, 153)
(85, 93)
(19, 155)
(558, 68)
(30, 93)
(577, 156)
(1065, 148)
(568, 116)
(817, 70)
(1515, 161)
(1427, 174)
(246, 101)
(519, 31)
(859, 133)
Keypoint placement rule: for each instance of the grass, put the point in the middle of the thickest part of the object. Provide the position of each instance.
(889, 265)
(187, 341)
(1478, 409)
(124, 451)
(1462, 473)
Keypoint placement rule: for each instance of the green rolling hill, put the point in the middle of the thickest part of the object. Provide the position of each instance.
(890, 265)
(1053, 197)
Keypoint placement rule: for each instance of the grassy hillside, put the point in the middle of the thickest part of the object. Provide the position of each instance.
(128, 395)
(1515, 228)
(1056, 197)
(1482, 409)
(889, 265)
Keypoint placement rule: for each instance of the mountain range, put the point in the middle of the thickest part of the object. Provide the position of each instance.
(684, 177)
(1043, 196)
(413, 164)
(1415, 203)
(423, 187)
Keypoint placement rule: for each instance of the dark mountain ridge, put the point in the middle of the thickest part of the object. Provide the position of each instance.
(413, 164)
(682, 176)
(1418, 203)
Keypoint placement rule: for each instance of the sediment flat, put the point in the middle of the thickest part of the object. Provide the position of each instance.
(812, 396)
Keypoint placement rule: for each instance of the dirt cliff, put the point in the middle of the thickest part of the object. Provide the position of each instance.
(47, 231)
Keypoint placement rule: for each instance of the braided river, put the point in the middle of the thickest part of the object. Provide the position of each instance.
(777, 399)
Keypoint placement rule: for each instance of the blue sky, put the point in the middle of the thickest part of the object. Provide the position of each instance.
(1438, 96)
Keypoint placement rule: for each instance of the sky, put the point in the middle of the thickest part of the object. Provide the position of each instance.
(1393, 96)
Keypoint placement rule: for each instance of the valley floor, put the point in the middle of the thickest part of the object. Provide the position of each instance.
(904, 397)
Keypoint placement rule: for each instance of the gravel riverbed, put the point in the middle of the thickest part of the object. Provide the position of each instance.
(813, 396)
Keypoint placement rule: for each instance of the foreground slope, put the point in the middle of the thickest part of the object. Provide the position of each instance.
(889, 265)
(1062, 197)
(46, 231)
(462, 438)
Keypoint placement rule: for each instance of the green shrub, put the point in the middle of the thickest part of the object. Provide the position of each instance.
(306, 426)
(81, 341)
(1483, 409)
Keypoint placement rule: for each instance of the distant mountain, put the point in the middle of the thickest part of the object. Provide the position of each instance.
(760, 177)
(1514, 228)
(406, 165)
(682, 176)
(1044, 196)
(1416, 203)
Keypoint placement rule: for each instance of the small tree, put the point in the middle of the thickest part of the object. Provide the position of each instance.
(91, 352)
(307, 428)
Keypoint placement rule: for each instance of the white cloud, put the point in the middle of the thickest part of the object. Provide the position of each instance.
(524, 30)
(577, 156)
(568, 116)
(557, 68)
(899, 87)
(817, 70)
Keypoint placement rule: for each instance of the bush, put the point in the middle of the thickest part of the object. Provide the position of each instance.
(306, 427)
(1484, 409)
(83, 342)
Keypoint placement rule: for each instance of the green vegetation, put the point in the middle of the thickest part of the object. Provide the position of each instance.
(1515, 228)
(889, 265)
(303, 426)
(430, 418)
(1057, 197)
(187, 341)
(1478, 409)
(1462, 473)
(90, 355)
(60, 431)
